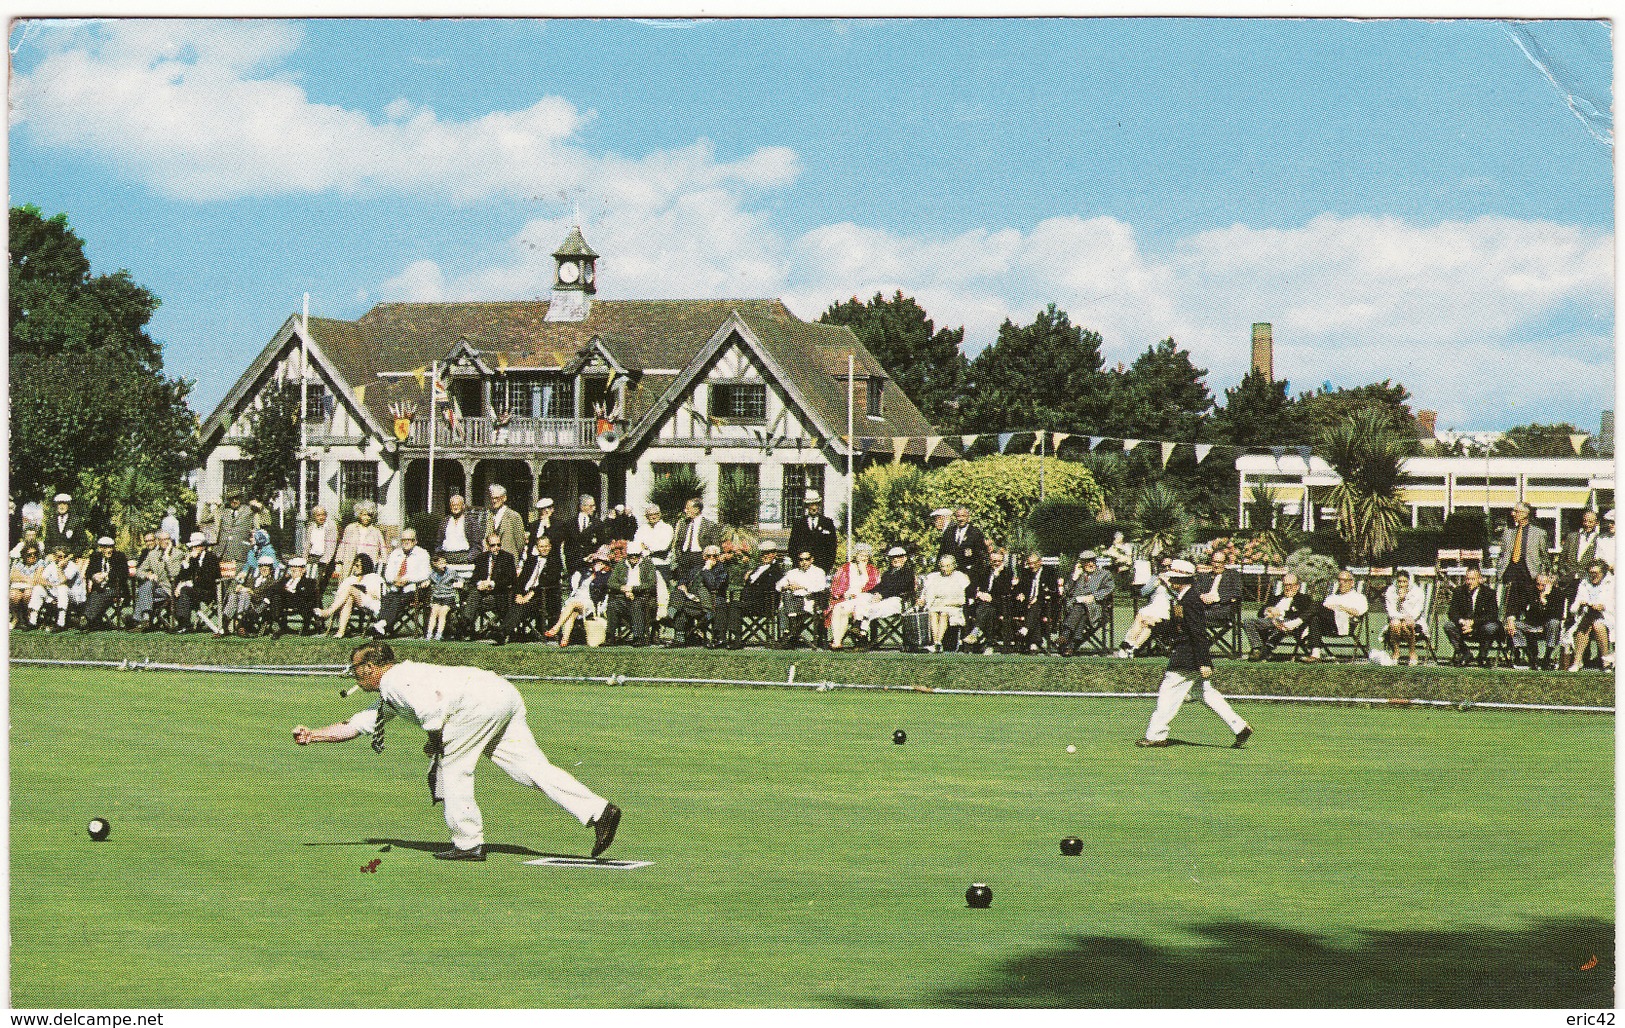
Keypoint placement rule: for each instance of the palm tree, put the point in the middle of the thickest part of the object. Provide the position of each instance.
(1161, 517)
(1369, 457)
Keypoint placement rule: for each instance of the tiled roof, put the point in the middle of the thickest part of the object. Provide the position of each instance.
(639, 334)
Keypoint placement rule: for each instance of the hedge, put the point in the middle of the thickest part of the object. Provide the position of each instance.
(1069, 526)
(993, 674)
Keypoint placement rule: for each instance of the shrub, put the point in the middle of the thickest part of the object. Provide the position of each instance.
(1164, 528)
(738, 499)
(889, 506)
(1417, 547)
(670, 491)
(1465, 529)
(1002, 490)
(1316, 571)
(1067, 526)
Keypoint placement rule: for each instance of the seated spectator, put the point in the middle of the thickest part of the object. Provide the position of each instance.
(490, 587)
(589, 594)
(537, 587)
(30, 535)
(444, 584)
(1593, 612)
(1288, 614)
(1087, 599)
(363, 587)
(1407, 606)
(634, 595)
(296, 594)
(1541, 620)
(406, 571)
(1037, 589)
(1218, 586)
(156, 577)
(250, 602)
(729, 603)
(758, 594)
(200, 575)
(895, 590)
(1157, 609)
(998, 599)
(106, 575)
(1474, 617)
(53, 588)
(262, 547)
(800, 590)
(27, 577)
(943, 596)
(1337, 613)
(694, 601)
(851, 591)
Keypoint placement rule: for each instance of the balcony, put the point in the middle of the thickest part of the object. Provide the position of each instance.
(516, 434)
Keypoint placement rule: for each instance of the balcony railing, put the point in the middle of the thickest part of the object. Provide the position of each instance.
(517, 433)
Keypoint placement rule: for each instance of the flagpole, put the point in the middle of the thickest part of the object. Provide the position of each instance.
(851, 483)
(304, 390)
(1043, 446)
(434, 383)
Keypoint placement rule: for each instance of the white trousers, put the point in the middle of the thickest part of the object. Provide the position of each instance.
(1171, 696)
(497, 729)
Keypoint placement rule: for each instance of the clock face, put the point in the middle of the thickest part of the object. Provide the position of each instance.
(569, 272)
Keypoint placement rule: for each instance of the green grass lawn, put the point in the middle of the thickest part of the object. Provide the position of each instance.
(1346, 857)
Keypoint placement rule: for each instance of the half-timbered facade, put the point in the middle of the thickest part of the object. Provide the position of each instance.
(567, 395)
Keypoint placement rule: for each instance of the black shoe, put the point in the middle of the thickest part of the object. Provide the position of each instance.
(1242, 737)
(1151, 743)
(477, 853)
(604, 828)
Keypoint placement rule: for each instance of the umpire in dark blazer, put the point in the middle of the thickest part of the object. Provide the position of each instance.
(581, 536)
(966, 544)
(815, 533)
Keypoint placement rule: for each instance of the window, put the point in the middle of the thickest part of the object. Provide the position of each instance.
(666, 470)
(872, 399)
(515, 396)
(798, 478)
(318, 403)
(234, 477)
(358, 480)
(313, 484)
(739, 402)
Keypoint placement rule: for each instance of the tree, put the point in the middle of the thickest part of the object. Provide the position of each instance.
(1162, 395)
(1258, 412)
(924, 361)
(91, 409)
(1539, 440)
(1369, 457)
(1320, 411)
(272, 446)
(1046, 375)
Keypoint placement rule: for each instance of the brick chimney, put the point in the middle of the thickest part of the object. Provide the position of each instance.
(1426, 421)
(1264, 350)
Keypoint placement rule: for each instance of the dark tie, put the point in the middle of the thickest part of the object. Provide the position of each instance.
(378, 737)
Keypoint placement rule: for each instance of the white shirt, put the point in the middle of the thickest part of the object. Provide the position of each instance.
(1345, 606)
(944, 592)
(804, 581)
(656, 539)
(430, 695)
(416, 565)
(456, 538)
(1410, 609)
(319, 540)
(1600, 595)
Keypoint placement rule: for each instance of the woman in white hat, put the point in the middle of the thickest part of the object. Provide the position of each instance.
(944, 597)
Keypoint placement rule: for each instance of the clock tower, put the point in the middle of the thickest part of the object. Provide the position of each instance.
(575, 276)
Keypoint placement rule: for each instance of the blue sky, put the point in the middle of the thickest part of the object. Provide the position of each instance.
(1402, 200)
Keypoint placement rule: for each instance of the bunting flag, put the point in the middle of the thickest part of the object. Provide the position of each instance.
(931, 444)
(1129, 444)
(1167, 451)
(1304, 452)
(898, 445)
(1277, 451)
(1038, 442)
(1060, 437)
(611, 380)
(1004, 440)
(1094, 441)
(1578, 441)
(1202, 450)
(417, 373)
(967, 441)
(502, 363)
(361, 395)
(440, 395)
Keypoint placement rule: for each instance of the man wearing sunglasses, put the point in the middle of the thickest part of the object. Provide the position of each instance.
(465, 711)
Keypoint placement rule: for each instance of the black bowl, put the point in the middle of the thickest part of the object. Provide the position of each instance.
(979, 896)
(1071, 846)
(99, 828)
(899, 737)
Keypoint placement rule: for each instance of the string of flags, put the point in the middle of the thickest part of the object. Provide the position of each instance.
(1050, 442)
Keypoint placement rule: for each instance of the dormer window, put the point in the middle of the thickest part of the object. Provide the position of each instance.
(876, 384)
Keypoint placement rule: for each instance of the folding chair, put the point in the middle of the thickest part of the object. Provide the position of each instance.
(801, 621)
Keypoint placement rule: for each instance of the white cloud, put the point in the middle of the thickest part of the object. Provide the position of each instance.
(186, 108)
